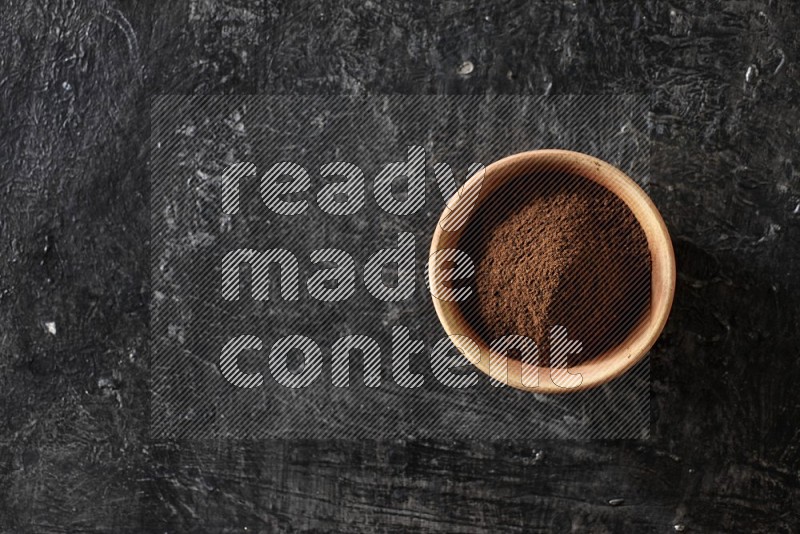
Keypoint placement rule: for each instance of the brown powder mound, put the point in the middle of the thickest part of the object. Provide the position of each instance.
(557, 251)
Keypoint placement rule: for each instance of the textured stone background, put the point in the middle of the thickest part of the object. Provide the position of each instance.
(194, 139)
(75, 78)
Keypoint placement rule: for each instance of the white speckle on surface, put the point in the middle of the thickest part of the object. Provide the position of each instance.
(773, 229)
(678, 527)
(176, 332)
(751, 74)
(104, 382)
(466, 68)
(680, 23)
(66, 86)
(616, 502)
(50, 326)
(797, 209)
(200, 239)
(782, 55)
(319, 121)
(771, 233)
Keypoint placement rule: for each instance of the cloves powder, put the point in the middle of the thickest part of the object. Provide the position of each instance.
(557, 250)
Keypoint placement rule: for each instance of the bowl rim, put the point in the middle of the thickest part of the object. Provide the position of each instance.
(611, 363)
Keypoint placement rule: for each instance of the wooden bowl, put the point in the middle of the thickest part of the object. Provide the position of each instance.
(603, 368)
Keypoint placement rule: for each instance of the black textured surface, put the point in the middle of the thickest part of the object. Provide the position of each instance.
(74, 85)
(194, 140)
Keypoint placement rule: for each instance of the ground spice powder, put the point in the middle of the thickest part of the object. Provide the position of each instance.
(559, 250)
